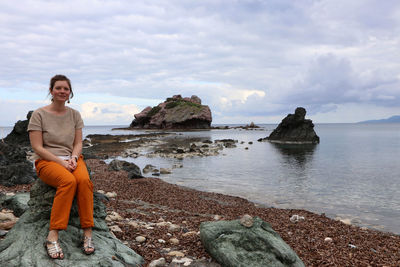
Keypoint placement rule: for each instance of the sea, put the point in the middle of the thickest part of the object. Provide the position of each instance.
(353, 174)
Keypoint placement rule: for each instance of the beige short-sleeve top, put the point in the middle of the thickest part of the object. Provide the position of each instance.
(58, 130)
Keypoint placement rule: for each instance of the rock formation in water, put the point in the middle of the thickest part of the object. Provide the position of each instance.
(14, 167)
(23, 245)
(19, 135)
(294, 129)
(246, 242)
(175, 113)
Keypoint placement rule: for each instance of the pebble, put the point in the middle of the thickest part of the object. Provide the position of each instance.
(185, 261)
(175, 254)
(111, 194)
(296, 218)
(175, 166)
(352, 246)
(174, 228)
(115, 229)
(346, 221)
(133, 224)
(140, 239)
(328, 239)
(3, 233)
(189, 233)
(217, 217)
(246, 221)
(157, 263)
(114, 216)
(174, 241)
(10, 194)
(162, 241)
(161, 224)
(101, 192)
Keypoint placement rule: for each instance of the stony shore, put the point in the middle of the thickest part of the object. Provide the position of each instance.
(158, 219)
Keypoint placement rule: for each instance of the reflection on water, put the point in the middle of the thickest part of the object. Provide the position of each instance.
(298, 154)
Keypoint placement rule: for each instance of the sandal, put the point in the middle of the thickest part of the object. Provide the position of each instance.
(53, 249)
(87, 243)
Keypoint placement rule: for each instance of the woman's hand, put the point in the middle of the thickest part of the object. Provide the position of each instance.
(72, 164)
(66, 164)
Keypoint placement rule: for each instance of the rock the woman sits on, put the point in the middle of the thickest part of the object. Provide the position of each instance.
(55, 132)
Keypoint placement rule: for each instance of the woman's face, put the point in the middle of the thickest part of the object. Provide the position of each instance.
(60, 91)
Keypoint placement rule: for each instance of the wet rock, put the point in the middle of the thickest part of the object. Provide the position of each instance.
(148, 168)
(132, 169)
(23, 245)
(19, 135)
(294, 129)
(165, 171)
(232, 244)
(175, 112)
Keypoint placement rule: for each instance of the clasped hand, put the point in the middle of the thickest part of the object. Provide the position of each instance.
(70, 164)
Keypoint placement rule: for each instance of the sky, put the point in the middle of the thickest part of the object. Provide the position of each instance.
(249, 61)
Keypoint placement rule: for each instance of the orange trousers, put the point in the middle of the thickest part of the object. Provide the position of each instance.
(68, 185)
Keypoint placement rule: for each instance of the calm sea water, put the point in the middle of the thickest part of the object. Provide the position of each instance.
(354, 173)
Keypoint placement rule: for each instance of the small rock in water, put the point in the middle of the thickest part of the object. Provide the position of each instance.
(165, 171)
(140, 239)
(296, 218)
(157, 263)
(246, 221)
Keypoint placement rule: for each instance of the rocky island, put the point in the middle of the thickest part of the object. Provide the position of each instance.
(294, 129)
(175, 113)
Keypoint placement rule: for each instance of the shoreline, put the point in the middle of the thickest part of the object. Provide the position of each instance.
(147, 207)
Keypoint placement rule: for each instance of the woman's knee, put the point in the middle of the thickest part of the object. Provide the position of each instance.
(68, 181)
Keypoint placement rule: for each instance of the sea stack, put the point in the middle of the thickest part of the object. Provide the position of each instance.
(175, 113)
(295, 129)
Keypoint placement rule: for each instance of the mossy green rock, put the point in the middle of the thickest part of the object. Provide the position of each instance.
(232, 244)
(23, 245)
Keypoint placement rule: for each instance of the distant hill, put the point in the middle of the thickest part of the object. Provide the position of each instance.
(392, 119)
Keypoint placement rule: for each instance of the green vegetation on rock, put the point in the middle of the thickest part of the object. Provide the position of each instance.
(153, 111)
(174, 103)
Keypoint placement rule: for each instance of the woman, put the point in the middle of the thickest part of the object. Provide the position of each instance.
(55, 132)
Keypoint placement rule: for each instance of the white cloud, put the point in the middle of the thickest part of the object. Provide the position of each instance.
(248, 58)
(107, 113)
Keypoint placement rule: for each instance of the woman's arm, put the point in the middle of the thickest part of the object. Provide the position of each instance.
(36, 138)
(77, 148)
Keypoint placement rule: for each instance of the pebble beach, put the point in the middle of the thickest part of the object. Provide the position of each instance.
(161, 220)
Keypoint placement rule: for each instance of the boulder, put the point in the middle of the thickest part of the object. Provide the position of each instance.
(23, 245)
(19, 134)
(232, 244)
(14, 167)
(175, 113)
(17, 203)
(295, 129)
(121, 165)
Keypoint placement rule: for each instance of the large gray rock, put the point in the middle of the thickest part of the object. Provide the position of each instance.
(17, 203)
(295, 129)
(232, 244)
(23, 245)
(19, 134)
(175, 113)
(132, 169)
(14, 167)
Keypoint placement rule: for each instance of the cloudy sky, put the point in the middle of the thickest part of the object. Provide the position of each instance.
(248, 60)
